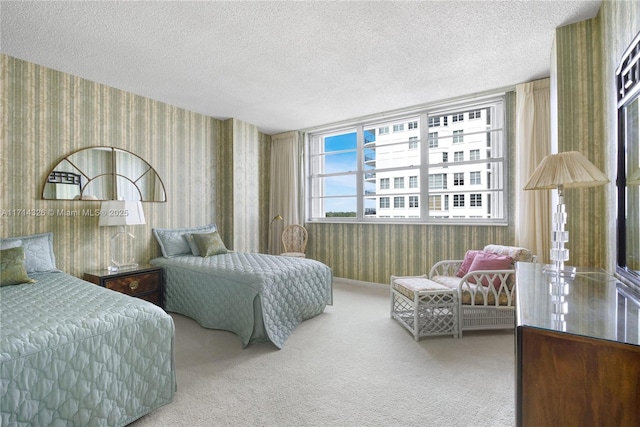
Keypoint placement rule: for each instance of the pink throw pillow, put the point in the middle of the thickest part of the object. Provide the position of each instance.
(466, 262)
(490, 261)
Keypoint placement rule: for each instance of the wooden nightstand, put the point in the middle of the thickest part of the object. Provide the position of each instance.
(144, 282)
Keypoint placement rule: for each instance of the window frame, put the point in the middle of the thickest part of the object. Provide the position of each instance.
(499, 195)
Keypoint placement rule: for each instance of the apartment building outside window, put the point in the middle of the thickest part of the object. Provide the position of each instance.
(474, 178)
(354, 172)
(475, 200)
(458, 137)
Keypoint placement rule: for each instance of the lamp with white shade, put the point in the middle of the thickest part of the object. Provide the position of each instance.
(563, 170)
(121, 213)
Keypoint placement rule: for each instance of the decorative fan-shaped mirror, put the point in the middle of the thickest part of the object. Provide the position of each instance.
(103, 173)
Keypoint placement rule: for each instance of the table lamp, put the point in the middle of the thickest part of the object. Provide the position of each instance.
(121, 213)
(563, 170)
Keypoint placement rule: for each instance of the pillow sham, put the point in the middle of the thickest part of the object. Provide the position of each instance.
(466, 263)
(12, 270)
(173, 241)
(490, 261)
(209, 244)
(38, 252)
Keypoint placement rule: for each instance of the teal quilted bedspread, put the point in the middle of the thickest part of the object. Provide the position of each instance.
(73, 353)
(258, 297)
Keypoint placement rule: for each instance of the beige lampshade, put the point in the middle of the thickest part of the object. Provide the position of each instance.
(121, 212)
(569, 169)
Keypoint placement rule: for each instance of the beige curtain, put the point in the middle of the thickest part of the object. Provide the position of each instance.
(287, 190)
(533, 143)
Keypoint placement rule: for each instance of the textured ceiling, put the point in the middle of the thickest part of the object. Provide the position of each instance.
(292, 65)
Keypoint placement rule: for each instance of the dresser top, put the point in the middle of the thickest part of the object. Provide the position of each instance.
(593, 304)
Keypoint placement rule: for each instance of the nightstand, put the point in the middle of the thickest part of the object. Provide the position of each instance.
(144, 282)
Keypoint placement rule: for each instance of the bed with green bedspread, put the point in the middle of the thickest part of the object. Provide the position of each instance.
(73, 353)
(259, 297)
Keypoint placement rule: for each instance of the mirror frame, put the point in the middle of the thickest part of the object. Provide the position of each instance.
(628, 91)
(84, 178)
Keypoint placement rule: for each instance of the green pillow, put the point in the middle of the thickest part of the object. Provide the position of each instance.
(209, 244)
(12, 270)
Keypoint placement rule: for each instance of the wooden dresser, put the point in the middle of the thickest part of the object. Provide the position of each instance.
(144, 282)
(577, 350)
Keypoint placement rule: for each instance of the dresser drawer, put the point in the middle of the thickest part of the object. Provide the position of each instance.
(135, 284)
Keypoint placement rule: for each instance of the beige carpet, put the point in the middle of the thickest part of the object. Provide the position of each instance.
(350, 366)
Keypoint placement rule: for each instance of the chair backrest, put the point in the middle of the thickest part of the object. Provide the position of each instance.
(294, 238)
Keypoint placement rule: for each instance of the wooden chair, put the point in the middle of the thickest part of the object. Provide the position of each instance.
(294, 240)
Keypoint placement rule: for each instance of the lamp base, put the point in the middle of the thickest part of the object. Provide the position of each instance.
(122, 251)
(115, 268)
(553, 270)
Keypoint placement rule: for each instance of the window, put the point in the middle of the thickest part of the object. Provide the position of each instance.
(475, 200)
(458, 138)
(355, 171)
(433, 139)
(438, 181)
(474, 178)
(435, 203)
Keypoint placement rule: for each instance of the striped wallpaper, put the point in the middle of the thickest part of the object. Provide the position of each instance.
(580, 128)
(587, 54)
(48, 114)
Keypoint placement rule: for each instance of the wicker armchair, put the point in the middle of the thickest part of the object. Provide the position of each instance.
(487, 297)
(294, 240)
